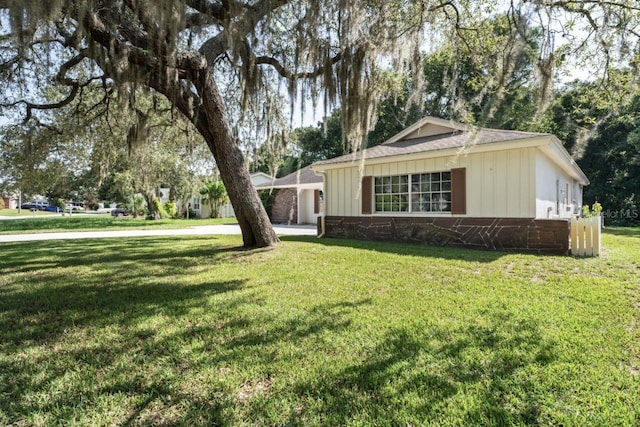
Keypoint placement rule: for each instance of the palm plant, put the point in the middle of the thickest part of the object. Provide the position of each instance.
(214, 193)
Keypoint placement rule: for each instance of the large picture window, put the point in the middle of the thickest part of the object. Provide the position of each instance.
(392, 193)
(425, 192)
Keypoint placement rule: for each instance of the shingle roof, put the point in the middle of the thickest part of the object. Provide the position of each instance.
(299, 177)
(455, 139)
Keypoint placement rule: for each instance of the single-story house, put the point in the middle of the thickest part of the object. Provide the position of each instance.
(226, 211)
(298, 199)
(445, 183)
(261, 178)
(203, 210)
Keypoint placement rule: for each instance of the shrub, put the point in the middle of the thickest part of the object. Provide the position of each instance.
(596, 210)
(267, 197)
(171, 209)
(137, 206)
(2, 206)
(59, 203)
(160, 212)
(92, 204)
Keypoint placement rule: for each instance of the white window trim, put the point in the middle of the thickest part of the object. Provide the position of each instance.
(408, 213)
(196, 201)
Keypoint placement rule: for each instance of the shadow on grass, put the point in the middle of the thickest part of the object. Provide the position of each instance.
(127, 332)
(412, 249)
(130, 293)
(119, 255)
(413, 377)
(64, 294)
(98, 222)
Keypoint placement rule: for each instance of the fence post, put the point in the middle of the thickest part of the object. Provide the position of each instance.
(574, 236)
(596, 226)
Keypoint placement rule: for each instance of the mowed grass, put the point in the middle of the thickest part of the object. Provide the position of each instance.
(196, 331)
(26, 213)
(57, 223)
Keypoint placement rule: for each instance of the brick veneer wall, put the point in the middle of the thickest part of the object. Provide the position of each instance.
(504, 234)
(285, 207)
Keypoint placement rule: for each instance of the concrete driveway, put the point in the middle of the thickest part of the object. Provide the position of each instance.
(281, 230)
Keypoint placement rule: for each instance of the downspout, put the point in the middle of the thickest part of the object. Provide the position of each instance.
(324, 195)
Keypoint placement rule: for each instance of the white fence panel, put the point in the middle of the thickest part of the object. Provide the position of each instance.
(586, 236)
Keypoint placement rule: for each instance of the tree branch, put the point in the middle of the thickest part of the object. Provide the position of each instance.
(208, 8)
(218, 45)
(61, 77)
(581, 3)
(286, 73)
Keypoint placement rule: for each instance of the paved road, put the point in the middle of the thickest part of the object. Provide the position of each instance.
(281, 230)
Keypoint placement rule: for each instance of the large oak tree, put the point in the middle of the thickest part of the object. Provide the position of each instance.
(342, 52)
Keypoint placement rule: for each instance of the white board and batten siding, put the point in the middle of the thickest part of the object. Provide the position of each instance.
(499, 183)
(557, 194)
(306, 214)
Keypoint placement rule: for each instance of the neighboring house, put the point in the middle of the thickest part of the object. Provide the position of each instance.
(203, 210)
(260, 178)
(298, 199)
(445, 183)
(10, 201)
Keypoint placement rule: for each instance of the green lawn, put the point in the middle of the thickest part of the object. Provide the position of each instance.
(58, 223)
(195, 331)
(26, 213)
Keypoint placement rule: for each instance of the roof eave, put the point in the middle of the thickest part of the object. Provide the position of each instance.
(538, 140)
(306, 186)
(568, 161)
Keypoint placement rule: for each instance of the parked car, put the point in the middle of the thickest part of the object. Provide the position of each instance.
(119, 212)
(53, 208)
(37, 205)
(29, 206)
(72, 207)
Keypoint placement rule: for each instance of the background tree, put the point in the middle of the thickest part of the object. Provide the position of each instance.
(99, 153)
(39, 161)
(488, 80)
(599, 126)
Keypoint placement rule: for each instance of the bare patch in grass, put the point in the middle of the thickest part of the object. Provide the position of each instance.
(251, 389)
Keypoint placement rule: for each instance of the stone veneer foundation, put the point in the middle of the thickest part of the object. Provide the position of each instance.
(550, 236)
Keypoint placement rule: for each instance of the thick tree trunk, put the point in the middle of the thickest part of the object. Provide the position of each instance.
(153, 213)
(209, 116)
(257, 230)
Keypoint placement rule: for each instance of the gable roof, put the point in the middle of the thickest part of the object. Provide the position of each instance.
(432, 134)
(304, 176)
(260, 178)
